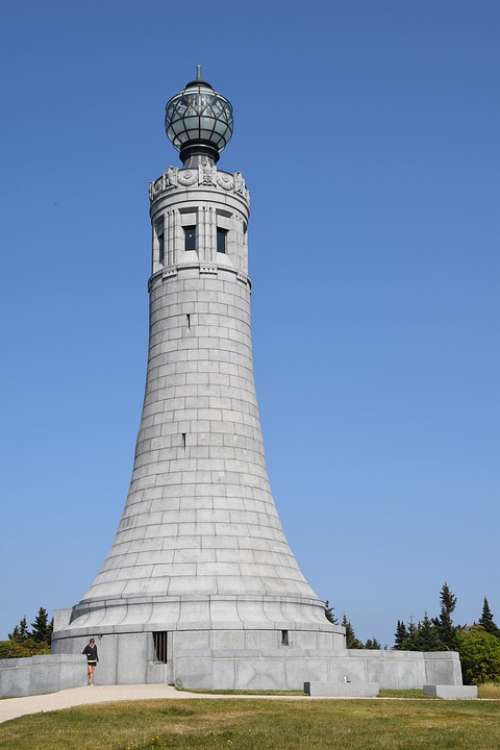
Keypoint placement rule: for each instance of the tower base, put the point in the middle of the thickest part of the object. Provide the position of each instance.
(250, 659)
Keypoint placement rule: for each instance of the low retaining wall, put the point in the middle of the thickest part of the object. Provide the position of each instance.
(288, 670)
(405, 669)
(41, 674)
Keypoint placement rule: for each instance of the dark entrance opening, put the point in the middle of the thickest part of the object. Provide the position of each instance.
(160, 644)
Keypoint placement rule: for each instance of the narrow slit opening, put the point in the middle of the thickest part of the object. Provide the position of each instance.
(188, 318)
(183, 439)
(160, 646)
(284, 638)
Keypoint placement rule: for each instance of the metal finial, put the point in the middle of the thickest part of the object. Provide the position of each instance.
(198, 72)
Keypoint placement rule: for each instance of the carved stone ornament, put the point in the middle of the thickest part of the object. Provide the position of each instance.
(225, 181)
(172, 176)
(187, 177)
(205, 174)
(239, 183)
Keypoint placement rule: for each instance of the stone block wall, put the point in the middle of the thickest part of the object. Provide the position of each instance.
(288, 670)
(41, 674)
(257, 659)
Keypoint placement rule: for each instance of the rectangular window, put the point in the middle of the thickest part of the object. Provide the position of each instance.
(221, 240)
(160, 240)
(160, 644)
(190, 238)
(284, 638)
(161, 248)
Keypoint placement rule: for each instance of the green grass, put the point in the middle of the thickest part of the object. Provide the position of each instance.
(261, 725)
(241, 692)
(404, 694)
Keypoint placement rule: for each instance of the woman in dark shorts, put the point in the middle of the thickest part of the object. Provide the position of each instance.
(90, 651)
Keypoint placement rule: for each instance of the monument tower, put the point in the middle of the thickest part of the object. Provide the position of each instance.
(200, 586)
(199, 558)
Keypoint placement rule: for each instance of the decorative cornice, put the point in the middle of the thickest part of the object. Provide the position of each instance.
(207, 176)
(205, 269)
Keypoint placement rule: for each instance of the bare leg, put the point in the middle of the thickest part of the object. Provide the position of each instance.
(90, 674)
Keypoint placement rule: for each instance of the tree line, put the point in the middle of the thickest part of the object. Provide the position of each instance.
(478, 644)
(29, 640)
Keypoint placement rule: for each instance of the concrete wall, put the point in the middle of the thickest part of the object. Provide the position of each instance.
(41, 674)
(443, 668)
(124, 658)
(128, 658)
(255, 659)
(288, 670)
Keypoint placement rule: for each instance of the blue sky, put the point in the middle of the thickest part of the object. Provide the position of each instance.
(368, 134)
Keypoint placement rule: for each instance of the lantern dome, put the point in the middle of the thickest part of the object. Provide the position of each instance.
(198, 120)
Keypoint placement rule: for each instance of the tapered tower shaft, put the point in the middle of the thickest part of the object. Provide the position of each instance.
(200, 520)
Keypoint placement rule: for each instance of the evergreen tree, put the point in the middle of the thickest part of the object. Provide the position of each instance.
(372, 643)
(350, 636)
(20, 632)
(411, 640)
(487, 621)
(330, 614)
(427, 638)
(41, 627)
(50, 631)
(444, 623)
(14, 636)
(400, 636)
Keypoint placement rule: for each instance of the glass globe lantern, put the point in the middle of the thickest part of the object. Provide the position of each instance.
(199, 121)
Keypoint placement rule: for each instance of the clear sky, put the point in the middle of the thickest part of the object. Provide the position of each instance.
(369, 136)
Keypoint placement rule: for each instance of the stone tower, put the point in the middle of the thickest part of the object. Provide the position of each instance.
(200, 586)
(199, 559)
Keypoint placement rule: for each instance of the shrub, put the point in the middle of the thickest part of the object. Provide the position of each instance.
(480, 656)
(19, 649)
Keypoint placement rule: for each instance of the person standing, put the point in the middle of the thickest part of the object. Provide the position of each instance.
(90, 651)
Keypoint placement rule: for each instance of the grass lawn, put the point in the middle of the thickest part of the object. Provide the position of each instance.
(261, 725)
(412, 693)
(241, 692)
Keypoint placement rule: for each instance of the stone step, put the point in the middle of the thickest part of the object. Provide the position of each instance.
(451, 692)
(342, 689)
